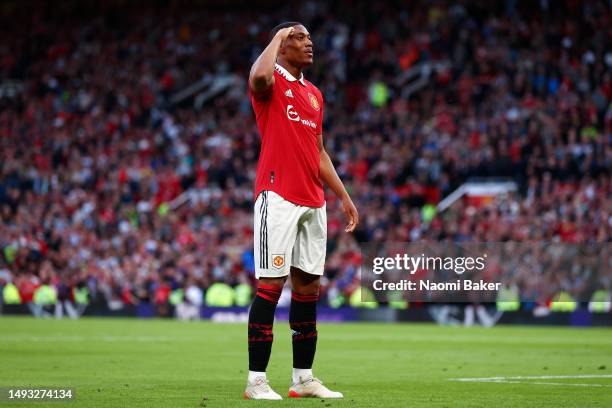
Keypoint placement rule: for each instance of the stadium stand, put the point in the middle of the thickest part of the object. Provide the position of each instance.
(128, 145)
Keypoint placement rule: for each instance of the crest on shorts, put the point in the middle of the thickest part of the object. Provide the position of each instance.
(313, 101)
(278, 260)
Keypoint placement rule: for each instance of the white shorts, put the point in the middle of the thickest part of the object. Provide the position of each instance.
(286, 235)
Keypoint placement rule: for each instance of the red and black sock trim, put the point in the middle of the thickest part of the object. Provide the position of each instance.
(304, 298)
(261, 319)
(303, 323)
(269, 292)
(261, 332)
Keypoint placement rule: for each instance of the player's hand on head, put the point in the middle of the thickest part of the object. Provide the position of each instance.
(350, 211)
(285, 33)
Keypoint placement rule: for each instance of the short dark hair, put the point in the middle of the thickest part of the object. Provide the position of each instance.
(283, 25)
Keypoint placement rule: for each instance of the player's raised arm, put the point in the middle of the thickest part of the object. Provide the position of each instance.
(262, 71)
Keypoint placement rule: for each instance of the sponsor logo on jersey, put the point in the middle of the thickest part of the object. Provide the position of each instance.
(310, 123)
(288, 93)
(278, 261)
(292, 114)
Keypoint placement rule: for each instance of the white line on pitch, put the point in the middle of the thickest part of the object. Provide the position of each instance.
(551, 383)
(523, 379)
(532, 377)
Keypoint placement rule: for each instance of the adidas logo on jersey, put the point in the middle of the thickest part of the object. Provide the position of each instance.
(288, 93)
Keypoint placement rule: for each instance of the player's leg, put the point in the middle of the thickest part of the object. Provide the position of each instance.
(308, 260)
(275, 226)
(303, 321)
(261, 320)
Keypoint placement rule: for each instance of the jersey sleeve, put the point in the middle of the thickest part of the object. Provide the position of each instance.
(261, 96)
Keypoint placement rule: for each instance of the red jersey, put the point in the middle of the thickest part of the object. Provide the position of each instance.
(289, 116)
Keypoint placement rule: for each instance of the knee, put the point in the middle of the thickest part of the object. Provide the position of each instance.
(275, 282)
(308, 289)
(270, 289)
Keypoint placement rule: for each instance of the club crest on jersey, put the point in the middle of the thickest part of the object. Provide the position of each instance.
(278, 261)
(313, 102)
(288, 93)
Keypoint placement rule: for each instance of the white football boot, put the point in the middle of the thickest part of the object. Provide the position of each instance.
(260, 390)
(312, 387)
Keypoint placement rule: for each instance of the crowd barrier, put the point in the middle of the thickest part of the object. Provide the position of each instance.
(454, 314)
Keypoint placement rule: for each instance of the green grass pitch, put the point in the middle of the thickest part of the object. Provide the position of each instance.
(163, 363)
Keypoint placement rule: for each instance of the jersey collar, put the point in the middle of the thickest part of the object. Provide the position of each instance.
(288, 75)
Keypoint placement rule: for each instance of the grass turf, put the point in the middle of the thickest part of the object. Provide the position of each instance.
(163, 363)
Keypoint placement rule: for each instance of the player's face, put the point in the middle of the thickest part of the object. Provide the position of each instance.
(298, 47)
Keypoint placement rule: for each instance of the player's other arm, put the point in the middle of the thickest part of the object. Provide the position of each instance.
(262, 72)
(329, 176)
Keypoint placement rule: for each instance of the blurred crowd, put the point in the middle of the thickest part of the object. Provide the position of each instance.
(106, 184)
